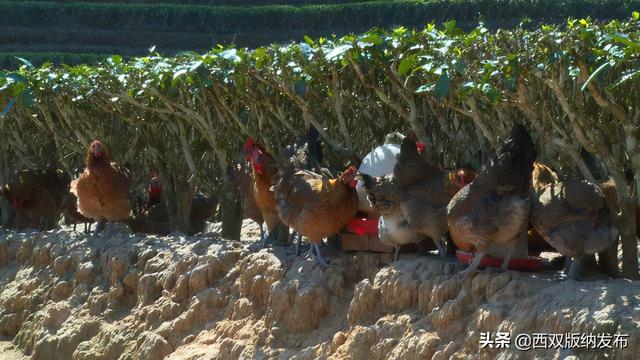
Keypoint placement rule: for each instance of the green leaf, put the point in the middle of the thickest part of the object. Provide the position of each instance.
(338, 52)
(179, 73)
(115, 60)
(441, 89)
(407, 64)
(635, 15)
(308, 40)
(26, 62)
(8, 108)
(627, 75)
(595, 73)
(17, 78)
(27, 98)
(300, 87)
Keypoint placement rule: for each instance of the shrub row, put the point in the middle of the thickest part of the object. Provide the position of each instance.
(9, 60)
(222, 19)
(576, 87)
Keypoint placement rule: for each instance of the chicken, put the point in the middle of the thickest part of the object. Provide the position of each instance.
(103, 188)
(155, 191)
(155, 220)
(71, 214)
(572, 216)
(495, 207)
(414, 199)
(314, 205)
(251, 210)
(609, 190)
(202, 209)
(264, 169)
(37, 196)
(541, 177)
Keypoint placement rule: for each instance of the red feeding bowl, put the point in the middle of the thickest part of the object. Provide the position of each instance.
(363, 226)
(523, 264)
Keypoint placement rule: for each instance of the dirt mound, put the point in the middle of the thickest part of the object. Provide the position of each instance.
(69, 296)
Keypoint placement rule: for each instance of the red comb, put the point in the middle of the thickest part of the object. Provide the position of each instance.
(420, 146)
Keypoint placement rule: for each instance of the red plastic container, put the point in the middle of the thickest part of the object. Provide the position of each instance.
(363, 226)
(524, 264)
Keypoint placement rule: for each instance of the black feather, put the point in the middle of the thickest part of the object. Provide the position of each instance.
(513, 162)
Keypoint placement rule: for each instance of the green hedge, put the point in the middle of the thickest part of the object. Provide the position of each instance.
(215, 2)
(9, 60)
(575, 87)
(356, 16)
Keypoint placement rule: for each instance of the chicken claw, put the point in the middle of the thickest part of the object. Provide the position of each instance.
(575, 271)
(475, 263)
(314, 251)
(440, 248)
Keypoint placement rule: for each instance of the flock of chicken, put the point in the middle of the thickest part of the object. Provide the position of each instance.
(100, 193)
(508, 198)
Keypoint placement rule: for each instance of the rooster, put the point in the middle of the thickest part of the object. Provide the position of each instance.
(495, 207)
(314, 205)
(37, 196)
(308, 154)
(572, 216)
(264, 169)
(103, 188)
(251, 210)
(414, 200)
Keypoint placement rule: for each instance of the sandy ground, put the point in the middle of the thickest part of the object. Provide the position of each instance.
(9, 352)
(70, 296)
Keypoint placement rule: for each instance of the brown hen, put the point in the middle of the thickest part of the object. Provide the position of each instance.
(314, 205)
(37, 197)
(572, 216)
(103, 187)
(495, 207)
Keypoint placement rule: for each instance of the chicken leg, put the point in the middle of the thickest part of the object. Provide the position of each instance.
(507, 259)
(262, 239)
(397, 251)
(567, 265)
(474, 264)
(100, 226)
(439, 246)
(575, 272)
(314, 251)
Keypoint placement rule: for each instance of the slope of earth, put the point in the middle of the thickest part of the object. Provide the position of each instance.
(68, 296)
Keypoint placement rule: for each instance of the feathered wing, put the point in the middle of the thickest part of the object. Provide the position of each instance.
(496, 206)
(512, 165)
(103, 192)
(411, 166)
(382, 193)
(314, 205)
(574, 227)
(584, 195)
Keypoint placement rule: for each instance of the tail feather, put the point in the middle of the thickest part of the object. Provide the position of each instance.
(513, 162)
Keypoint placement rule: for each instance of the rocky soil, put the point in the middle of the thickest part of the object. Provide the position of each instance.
(70, 296)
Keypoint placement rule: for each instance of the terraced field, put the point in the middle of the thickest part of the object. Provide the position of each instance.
(75, 31)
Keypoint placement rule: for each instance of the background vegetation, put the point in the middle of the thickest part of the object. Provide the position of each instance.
(129, 28)
(575, 86)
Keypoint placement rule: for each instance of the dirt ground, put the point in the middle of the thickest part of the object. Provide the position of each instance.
(70, 296)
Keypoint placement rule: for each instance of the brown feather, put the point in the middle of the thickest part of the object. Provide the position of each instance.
(102, 189)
